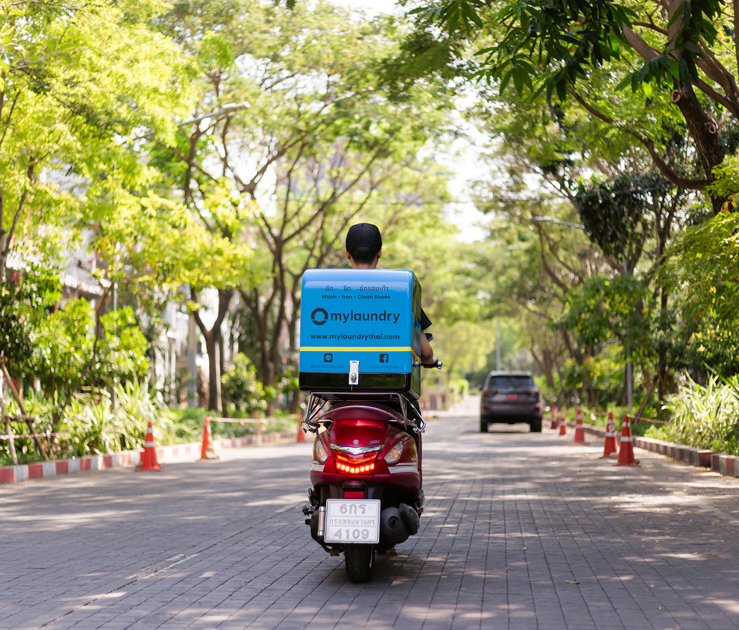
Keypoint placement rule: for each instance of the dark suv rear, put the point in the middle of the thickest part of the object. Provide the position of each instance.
(510, 397)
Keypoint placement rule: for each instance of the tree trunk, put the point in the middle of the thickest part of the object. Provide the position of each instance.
(212, 338)
(703, 131)
(548, 367)
(295, 402)
(222, 371)
(211, 346)
(292, 325)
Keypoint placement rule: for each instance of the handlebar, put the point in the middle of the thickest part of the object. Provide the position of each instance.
(438, 364)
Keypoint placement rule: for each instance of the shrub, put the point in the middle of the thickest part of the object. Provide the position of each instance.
(91, 425)
(242, 389)
(703, 417)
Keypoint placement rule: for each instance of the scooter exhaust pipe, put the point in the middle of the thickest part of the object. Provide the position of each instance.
(392, 526)
(397, 524)
(410, 516)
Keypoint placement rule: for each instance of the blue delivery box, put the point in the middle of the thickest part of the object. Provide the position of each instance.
(360, 330)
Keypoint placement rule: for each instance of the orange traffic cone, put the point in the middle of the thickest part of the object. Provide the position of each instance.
(555, 420)
(301, 433)
(579, 430)
(563, 424)
(207, 451)
(626, 449)
(149, 456)
(610, 445)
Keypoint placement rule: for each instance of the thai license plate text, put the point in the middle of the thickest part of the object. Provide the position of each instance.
(352, 521)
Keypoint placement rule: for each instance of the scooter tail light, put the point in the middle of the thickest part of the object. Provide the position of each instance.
(394, 454)
(319, 451)
(355, 461)
(354, 469)
(359, 464)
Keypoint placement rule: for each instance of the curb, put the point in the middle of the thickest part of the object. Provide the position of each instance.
(701, 458)
(698, 457)
(165, 454)
(725, 464)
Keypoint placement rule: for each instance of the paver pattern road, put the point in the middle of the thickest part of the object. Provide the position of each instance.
(521, 531)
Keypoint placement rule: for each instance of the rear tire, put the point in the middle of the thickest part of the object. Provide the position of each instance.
(360, 562)
(483, 425)
(535, 426)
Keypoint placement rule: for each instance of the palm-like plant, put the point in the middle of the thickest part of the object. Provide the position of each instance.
(704, 416)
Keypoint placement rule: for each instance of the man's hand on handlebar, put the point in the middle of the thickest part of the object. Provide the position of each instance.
(433, 363)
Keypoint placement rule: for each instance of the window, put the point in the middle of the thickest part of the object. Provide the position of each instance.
(510, 382)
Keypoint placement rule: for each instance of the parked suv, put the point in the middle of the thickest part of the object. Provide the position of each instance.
(510, 397)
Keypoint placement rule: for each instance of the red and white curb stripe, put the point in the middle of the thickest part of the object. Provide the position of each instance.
(165, 454)
(725, 464)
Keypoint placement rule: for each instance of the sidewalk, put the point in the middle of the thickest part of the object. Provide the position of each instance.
(165, 455)
(468, 407)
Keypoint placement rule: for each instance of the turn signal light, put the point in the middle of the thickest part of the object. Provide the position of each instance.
(319, 451)
(393, 456)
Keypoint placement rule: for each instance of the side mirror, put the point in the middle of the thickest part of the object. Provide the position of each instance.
(429, 337)
(479, 387)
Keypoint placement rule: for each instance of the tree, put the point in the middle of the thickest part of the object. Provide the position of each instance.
(296, 102)
(558, 47)
(153, 247)
(77, 83)
(707, 335)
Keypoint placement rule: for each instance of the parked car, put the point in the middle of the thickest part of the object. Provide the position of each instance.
(511, 397)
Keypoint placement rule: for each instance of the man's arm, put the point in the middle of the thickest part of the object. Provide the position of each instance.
(427, 352)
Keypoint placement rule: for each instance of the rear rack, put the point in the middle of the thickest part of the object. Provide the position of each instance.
(315, 415)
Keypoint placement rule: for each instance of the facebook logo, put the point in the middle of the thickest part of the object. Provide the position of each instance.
(384, 358)
(328, 358)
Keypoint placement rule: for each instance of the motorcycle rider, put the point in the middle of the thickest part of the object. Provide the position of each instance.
(364, 250)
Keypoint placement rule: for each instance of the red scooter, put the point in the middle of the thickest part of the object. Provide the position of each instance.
(366, 494)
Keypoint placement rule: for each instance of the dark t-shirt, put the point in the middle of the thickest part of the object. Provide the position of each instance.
(425, 321)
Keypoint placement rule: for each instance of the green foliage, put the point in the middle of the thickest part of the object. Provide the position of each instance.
(599, 377)
(15, 338)
(80, 81)
(242, 389)
(603, 309)
(707, 308)
(91, 425)
(704, 416)
(22, 302)
(616, 213)
(571, 38)
(71, 352)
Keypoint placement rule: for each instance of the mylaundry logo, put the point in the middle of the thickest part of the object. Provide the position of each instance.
(319, 316)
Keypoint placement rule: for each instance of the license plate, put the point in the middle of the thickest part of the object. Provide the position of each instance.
(352, 521)
(511, 396)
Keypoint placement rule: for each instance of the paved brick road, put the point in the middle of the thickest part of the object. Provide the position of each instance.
(521, 531)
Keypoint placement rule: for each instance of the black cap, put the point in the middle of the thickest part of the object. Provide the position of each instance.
(363, 241)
